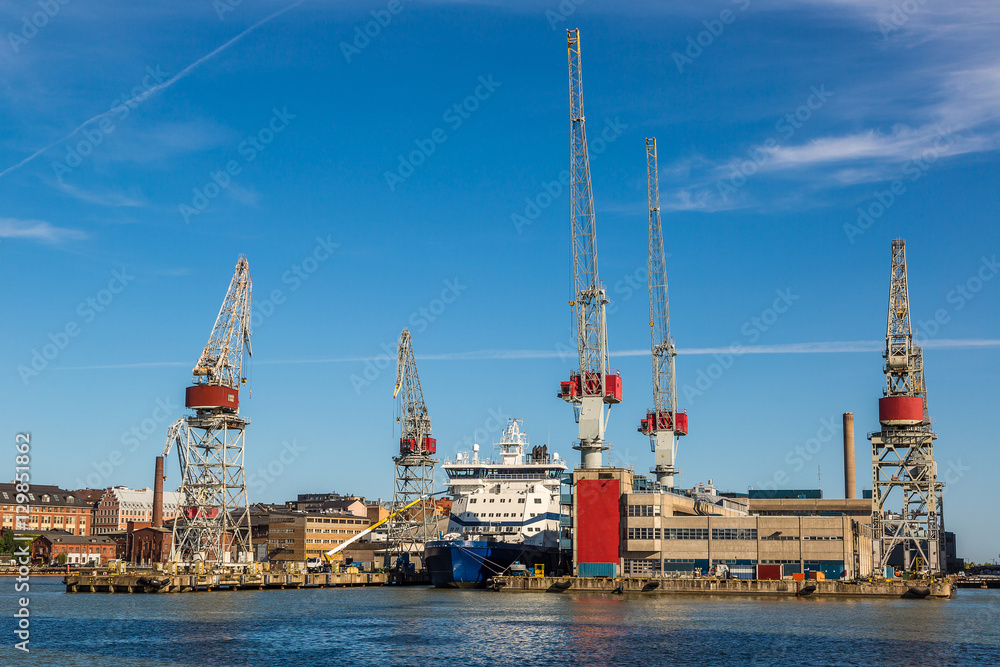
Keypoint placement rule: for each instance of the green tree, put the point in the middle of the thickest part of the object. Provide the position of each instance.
(61, 559)
(7, 542)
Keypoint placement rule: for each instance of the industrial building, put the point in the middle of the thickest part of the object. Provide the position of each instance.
(296, 537)
(622, 529)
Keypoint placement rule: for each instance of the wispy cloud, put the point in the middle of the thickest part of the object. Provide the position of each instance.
(826, 347)
(37, 230)
(937, 93)
(114, 199)
(142, 97)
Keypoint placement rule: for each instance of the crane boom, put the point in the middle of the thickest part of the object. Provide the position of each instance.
(221, 362)
(589, 297)
(414, 422)
(664, 387)
(594, 387)
(662, 424)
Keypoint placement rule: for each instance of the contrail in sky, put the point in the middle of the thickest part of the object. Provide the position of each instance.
(142, 97)
(829, 347)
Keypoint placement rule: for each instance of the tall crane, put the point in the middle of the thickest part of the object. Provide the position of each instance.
(213, 520)
(593, 388)
(414, 487)
(663, 424)
(911, 519)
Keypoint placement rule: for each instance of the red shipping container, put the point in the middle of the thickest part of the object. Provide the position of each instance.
(597, 520)
(769, 572)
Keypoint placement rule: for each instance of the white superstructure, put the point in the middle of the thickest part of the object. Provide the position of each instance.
(515, 499)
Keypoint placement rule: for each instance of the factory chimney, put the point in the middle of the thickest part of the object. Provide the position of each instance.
(850, 488)
(158, 494)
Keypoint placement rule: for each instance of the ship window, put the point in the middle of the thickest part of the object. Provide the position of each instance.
(472, 500)
(520, 500)
(538, 500)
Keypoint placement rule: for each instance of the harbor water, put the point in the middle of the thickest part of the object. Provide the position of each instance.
(425, 626)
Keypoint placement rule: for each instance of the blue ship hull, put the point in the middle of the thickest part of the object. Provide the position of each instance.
(471, 563)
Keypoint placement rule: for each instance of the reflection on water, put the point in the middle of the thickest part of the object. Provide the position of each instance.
(420, 626)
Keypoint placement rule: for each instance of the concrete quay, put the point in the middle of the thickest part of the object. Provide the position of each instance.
(189, 583)
(916, 589)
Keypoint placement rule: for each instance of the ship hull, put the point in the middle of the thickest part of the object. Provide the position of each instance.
(471, 563)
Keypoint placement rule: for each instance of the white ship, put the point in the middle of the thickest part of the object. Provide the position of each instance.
(502, 511)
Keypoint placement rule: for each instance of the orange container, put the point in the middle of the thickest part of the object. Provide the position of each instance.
(817, 576)
(798, 576)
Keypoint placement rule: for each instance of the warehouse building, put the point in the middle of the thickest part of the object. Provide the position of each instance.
(622, 524)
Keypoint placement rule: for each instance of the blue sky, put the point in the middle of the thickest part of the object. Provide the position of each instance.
(413, 180)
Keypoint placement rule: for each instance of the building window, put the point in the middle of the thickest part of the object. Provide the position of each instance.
(644, 510)
(685, 533)
(640, 533)
(734, 534)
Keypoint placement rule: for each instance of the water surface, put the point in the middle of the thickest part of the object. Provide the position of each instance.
(425, 626)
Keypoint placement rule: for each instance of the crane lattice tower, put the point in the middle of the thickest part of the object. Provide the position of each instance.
(907, 510)
(410, 530)
(663, 424)
(213, 520)
(593, 389)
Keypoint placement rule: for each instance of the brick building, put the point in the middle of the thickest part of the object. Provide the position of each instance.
(49, 508)
(79, 549)
(147, 545)
(120, 504)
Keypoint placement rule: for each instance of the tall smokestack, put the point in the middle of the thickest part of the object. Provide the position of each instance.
(850, 487)
(158, 494)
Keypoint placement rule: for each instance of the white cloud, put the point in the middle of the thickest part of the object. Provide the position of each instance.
(37, 230)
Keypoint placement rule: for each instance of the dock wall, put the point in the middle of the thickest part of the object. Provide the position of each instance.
(938, 589)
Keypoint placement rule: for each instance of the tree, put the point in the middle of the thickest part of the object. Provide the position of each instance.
(61, 558)
(7, 542)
